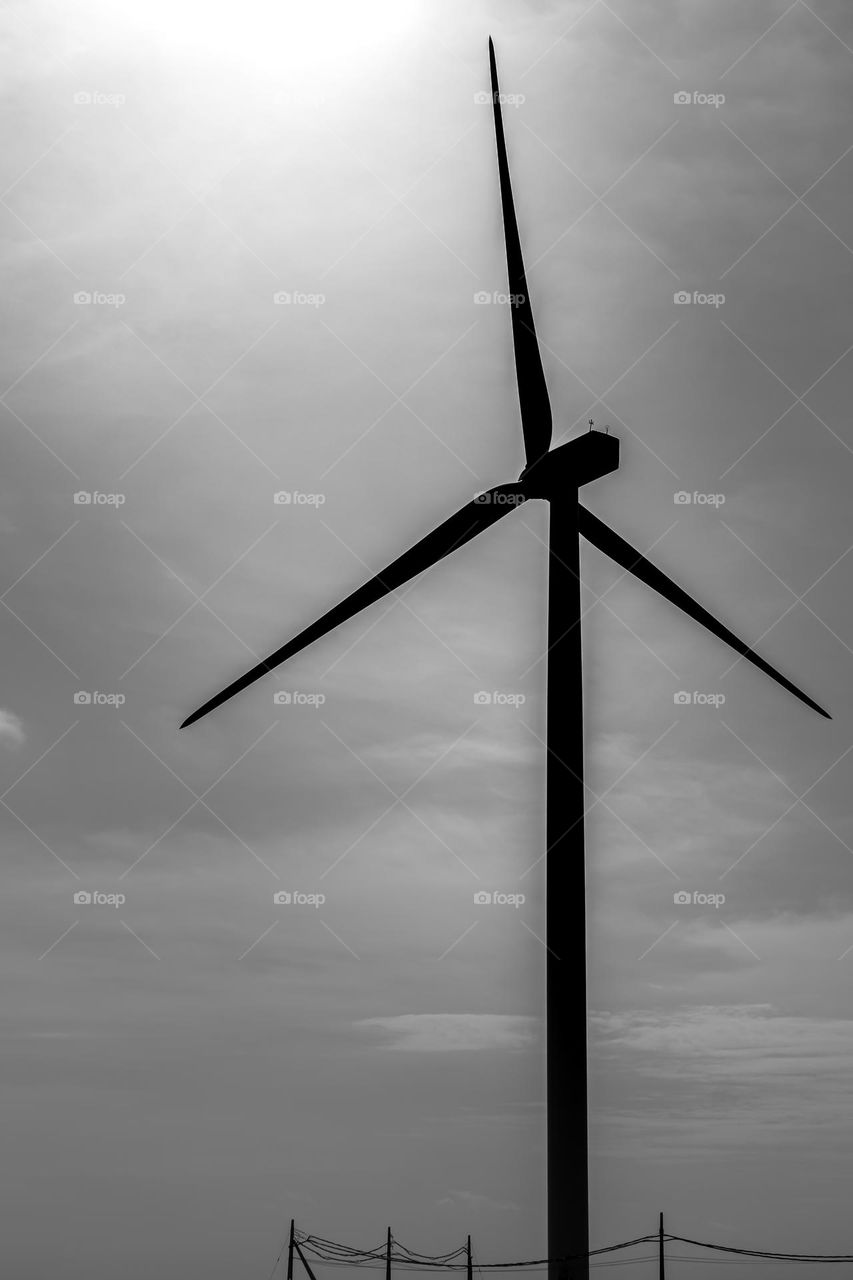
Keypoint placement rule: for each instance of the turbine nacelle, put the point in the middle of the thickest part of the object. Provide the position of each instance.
(570, 465)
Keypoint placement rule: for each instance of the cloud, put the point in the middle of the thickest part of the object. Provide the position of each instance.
(11, 729)
(726, 1076)
(452, 1032)
(472, 1200)
(714, 1041)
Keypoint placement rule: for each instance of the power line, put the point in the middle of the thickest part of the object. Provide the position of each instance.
(766, 1253)
(393, 1254)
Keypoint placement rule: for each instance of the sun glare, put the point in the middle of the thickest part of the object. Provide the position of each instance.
(298, 37)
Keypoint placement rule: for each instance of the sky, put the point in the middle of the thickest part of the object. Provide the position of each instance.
(243, 246)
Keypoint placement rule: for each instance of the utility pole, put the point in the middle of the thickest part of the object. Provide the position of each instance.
(660, 1248)
(290, 1254)
(470, 1263)
(388, 1256)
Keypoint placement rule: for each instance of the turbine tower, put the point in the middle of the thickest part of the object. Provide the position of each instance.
(554, 475)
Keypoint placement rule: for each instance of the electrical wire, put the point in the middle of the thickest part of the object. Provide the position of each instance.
(334, 1254)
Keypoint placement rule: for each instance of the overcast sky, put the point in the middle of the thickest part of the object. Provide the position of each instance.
(190, 1067)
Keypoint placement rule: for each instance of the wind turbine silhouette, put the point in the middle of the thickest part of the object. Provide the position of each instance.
(554, 475)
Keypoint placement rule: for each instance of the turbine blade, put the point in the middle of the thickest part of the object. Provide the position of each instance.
(473, 518)
(603, 537)
(532, 391)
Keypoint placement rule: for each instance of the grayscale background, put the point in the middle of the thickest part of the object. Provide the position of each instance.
(188, 1068)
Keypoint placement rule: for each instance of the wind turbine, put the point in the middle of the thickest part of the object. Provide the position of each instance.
(554, 475)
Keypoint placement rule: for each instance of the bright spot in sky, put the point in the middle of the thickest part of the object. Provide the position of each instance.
(297, 37)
